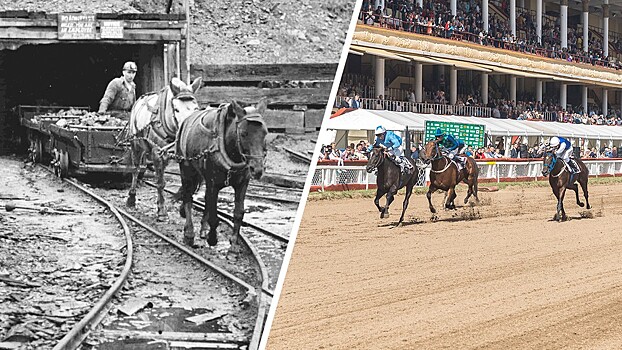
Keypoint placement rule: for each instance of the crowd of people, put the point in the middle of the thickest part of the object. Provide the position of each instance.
(524, 108)
(435, 18)
(517, 151)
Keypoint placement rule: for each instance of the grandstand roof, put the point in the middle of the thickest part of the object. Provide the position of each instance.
(363, 119)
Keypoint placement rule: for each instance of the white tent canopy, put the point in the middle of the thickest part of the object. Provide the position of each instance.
(361, 119)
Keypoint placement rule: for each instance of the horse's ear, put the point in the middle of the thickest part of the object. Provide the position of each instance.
(237, 109)
(196, 84)
(174, 85)
(262, 105)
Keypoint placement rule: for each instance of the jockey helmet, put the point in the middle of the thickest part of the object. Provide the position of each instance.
(439, 132)
(380, 130)
(554, 142)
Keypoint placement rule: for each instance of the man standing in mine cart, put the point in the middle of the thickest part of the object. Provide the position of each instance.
(120, 94)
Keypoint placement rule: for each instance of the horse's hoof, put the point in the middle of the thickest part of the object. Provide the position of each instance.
(588, 207)
(131, 202)
(433, 210)
(189, 241)
(203, 234)
(234, 249)
(212, 240)
(581, 205)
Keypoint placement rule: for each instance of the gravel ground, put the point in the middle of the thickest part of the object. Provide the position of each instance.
(53, 268)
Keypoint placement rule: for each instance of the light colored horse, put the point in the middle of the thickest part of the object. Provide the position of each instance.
(152, 127)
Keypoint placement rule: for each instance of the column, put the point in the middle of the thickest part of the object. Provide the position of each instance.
(539, 90)
(513, 17)
(484, 89)
(563, 90)
(379, 75)
(485, 15)
(605, 95)
(513, 89)
(418, 82)
(586, 22)
(453, 7)
(521, 3)
(606, 28)
(453, 85)
(584, 98)
(539, 20)
(563, 16)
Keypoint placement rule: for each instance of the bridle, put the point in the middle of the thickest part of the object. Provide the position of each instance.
(437, 156)
(379, 161)
(252, 117)
(552, 164)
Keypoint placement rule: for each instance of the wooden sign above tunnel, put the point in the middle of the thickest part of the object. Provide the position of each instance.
(76, 27)
(111, 29)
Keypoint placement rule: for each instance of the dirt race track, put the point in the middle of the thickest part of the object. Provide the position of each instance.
(500, 275)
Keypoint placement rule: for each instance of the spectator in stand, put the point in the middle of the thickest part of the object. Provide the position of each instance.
(515, 151)
(480, 154)
(348, 154)
(356, 101)
(414, 152)
(360, 152)
(491, 153)
(345, 103)
(469, 152)
(593, 153)
(614, 152)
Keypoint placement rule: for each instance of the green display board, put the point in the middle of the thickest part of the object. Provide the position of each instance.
(471, 134)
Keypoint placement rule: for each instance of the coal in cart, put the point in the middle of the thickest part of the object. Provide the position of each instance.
(37, 119)
(80, 142)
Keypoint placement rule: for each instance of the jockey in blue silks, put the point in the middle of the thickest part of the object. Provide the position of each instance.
(563, 149)
(450, 145)
(391, 143)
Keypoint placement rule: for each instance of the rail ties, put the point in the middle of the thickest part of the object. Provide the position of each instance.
(81, 331)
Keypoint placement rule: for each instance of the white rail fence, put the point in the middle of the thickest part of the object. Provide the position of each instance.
(356, 177)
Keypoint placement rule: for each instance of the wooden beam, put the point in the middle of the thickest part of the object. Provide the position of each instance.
(260, 72)
(175, 336)
(129, 24)
(313, 119)
(290, 121)
(278, 96)
(50, 33)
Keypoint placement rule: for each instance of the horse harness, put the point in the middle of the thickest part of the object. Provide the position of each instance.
(214, 128)
(157, 123)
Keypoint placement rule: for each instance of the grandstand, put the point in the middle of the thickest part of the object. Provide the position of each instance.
(524, 60)
(541, 64)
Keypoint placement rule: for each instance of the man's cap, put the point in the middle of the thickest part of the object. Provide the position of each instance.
(130, 66)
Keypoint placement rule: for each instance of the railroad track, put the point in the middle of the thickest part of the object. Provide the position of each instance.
(250, 290)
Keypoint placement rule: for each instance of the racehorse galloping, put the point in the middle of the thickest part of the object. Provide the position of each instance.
(389, 180)
(559, 177)
(225, 147)
(153, 125)
(445, 175)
